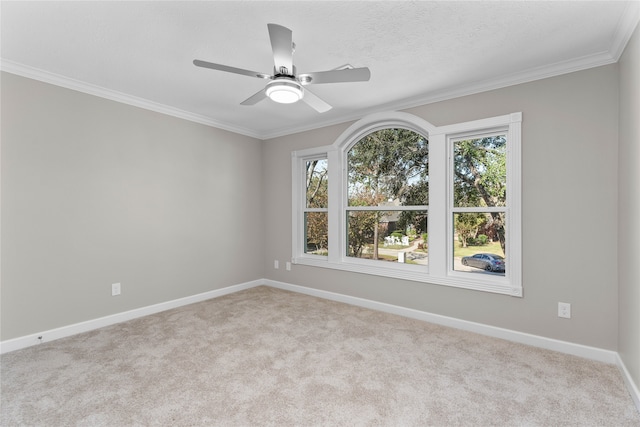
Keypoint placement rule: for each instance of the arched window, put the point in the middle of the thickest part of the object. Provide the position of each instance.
(398, 197)
(387, 189)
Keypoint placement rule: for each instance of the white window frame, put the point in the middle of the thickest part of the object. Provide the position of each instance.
(440, 207)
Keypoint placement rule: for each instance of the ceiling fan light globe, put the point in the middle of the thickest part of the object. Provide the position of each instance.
(284, 92)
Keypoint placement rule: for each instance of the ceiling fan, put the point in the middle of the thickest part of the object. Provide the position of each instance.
(285, 86)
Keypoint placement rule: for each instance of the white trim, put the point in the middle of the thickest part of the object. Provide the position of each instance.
(587, 352)
(382, 120)
(527, 76)
(510, 125)
(101, 92)
(623, 34)
(628, 380)
(299, 197)
(626, 26)
(580, 350)
(533, 74)
(494, 284)
(89, 325)
(339, 197)
(592, 353)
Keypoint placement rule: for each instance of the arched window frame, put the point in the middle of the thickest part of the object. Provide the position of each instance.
(440, 206)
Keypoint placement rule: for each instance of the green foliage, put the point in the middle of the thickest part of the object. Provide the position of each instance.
(390, 164)
(482, 240)
(492, 247)
(362, 226)
(411, 231)
(479, 240)
(397, 234)
(466, 226)
(480, 176)
(480, 172)
(414, 220)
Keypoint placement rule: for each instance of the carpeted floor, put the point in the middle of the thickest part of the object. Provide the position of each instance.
(267, 357)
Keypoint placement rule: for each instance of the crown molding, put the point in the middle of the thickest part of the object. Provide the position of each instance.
(626, 27)
(624, 32)
(91, 89)
(532, 74)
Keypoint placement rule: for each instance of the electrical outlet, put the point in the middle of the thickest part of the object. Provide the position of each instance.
(276, 264)
(115, 289)
(564, 310)
(288, 266)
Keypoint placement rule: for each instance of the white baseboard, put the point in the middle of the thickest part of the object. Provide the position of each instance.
(520, 337)
(631, 385)
(593, 353)
(587, 352)
(89, 325)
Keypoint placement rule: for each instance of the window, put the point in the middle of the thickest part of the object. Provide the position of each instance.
(316, 219)
(387, 196)
(479, 196)
(398, 197)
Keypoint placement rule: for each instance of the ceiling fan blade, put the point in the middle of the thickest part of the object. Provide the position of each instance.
(255, 98)
(314, 102)
(336, 76)
(220, 67)
(282, 46)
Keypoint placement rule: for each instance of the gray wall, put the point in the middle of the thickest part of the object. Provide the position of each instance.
(629, 207)
(570, 156)
(96, 192)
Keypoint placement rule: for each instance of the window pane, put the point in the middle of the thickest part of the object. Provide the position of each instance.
(316, 234)
(480, 172)
(317, 184)
(479, 243)
(401, 236)
(389, 166)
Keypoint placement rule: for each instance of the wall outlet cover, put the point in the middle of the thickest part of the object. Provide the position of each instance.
(115, 289)
(564, 310)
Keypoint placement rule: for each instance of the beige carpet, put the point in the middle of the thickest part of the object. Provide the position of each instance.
(267, 357)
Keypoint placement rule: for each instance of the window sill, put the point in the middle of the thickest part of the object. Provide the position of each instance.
(414, 273)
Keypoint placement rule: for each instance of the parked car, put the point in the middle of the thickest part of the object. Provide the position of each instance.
(489, 262)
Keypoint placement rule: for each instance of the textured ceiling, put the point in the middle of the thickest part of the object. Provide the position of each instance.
(418, 52)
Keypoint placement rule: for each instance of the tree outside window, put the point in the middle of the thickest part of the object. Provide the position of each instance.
(480, 201)
(316, 207)
(388, 190)
(394, 189)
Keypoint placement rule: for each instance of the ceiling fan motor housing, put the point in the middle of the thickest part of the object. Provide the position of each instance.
(284, 89)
